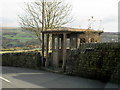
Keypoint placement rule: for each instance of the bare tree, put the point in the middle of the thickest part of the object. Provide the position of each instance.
(56, 15)
(90, 22)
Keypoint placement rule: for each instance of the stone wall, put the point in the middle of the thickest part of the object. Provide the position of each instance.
(22, 59)
(95, 60)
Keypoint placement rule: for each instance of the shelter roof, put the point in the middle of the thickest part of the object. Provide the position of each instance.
(70, 30)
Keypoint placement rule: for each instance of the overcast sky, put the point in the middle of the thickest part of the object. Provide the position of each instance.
(105, 10)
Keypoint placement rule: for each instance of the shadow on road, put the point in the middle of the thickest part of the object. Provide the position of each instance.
(50, 80)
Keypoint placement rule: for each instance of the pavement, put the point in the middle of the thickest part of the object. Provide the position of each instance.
(14, 77)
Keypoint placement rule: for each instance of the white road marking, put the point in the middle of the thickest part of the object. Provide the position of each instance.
(4, 79)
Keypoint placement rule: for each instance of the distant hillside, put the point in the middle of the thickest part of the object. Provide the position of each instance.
(16, 37)
(110, 37)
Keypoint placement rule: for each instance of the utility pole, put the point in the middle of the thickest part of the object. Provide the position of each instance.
(43, 12)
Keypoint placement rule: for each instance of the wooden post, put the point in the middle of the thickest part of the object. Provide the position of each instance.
(64, 51)
(47, 48)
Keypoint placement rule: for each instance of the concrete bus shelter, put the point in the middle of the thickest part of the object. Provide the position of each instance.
(64, 39)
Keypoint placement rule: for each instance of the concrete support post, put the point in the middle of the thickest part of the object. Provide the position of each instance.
(47, 48)
(42, 49)
(99, 38)
(71, 42)
(58, 42)
(78, 41)
(53, 44)
(64, 51)
(53, 49)
(57, 52)
(62, 44)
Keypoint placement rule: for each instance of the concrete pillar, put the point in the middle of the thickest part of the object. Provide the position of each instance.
(47, 48)
(42, 49)
(53, 44)
(71, 41)
(78, 41)
(99, 38)
(58, 39)
(62, 43)
(64, 51)
(53, 47)
(55, 51)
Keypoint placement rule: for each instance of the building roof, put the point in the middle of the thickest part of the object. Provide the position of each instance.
(70, 30)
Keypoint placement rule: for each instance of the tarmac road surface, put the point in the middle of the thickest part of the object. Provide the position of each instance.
(14, 77)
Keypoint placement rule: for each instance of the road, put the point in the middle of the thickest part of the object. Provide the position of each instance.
(13, 77)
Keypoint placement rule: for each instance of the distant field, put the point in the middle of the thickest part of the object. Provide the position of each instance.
(110, 37)
(18, 34)
(16, 37)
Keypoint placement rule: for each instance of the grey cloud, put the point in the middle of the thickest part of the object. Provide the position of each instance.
(8, 19)
(110, 19)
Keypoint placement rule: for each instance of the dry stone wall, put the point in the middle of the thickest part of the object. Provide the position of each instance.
(22, 59)
(95, 60)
